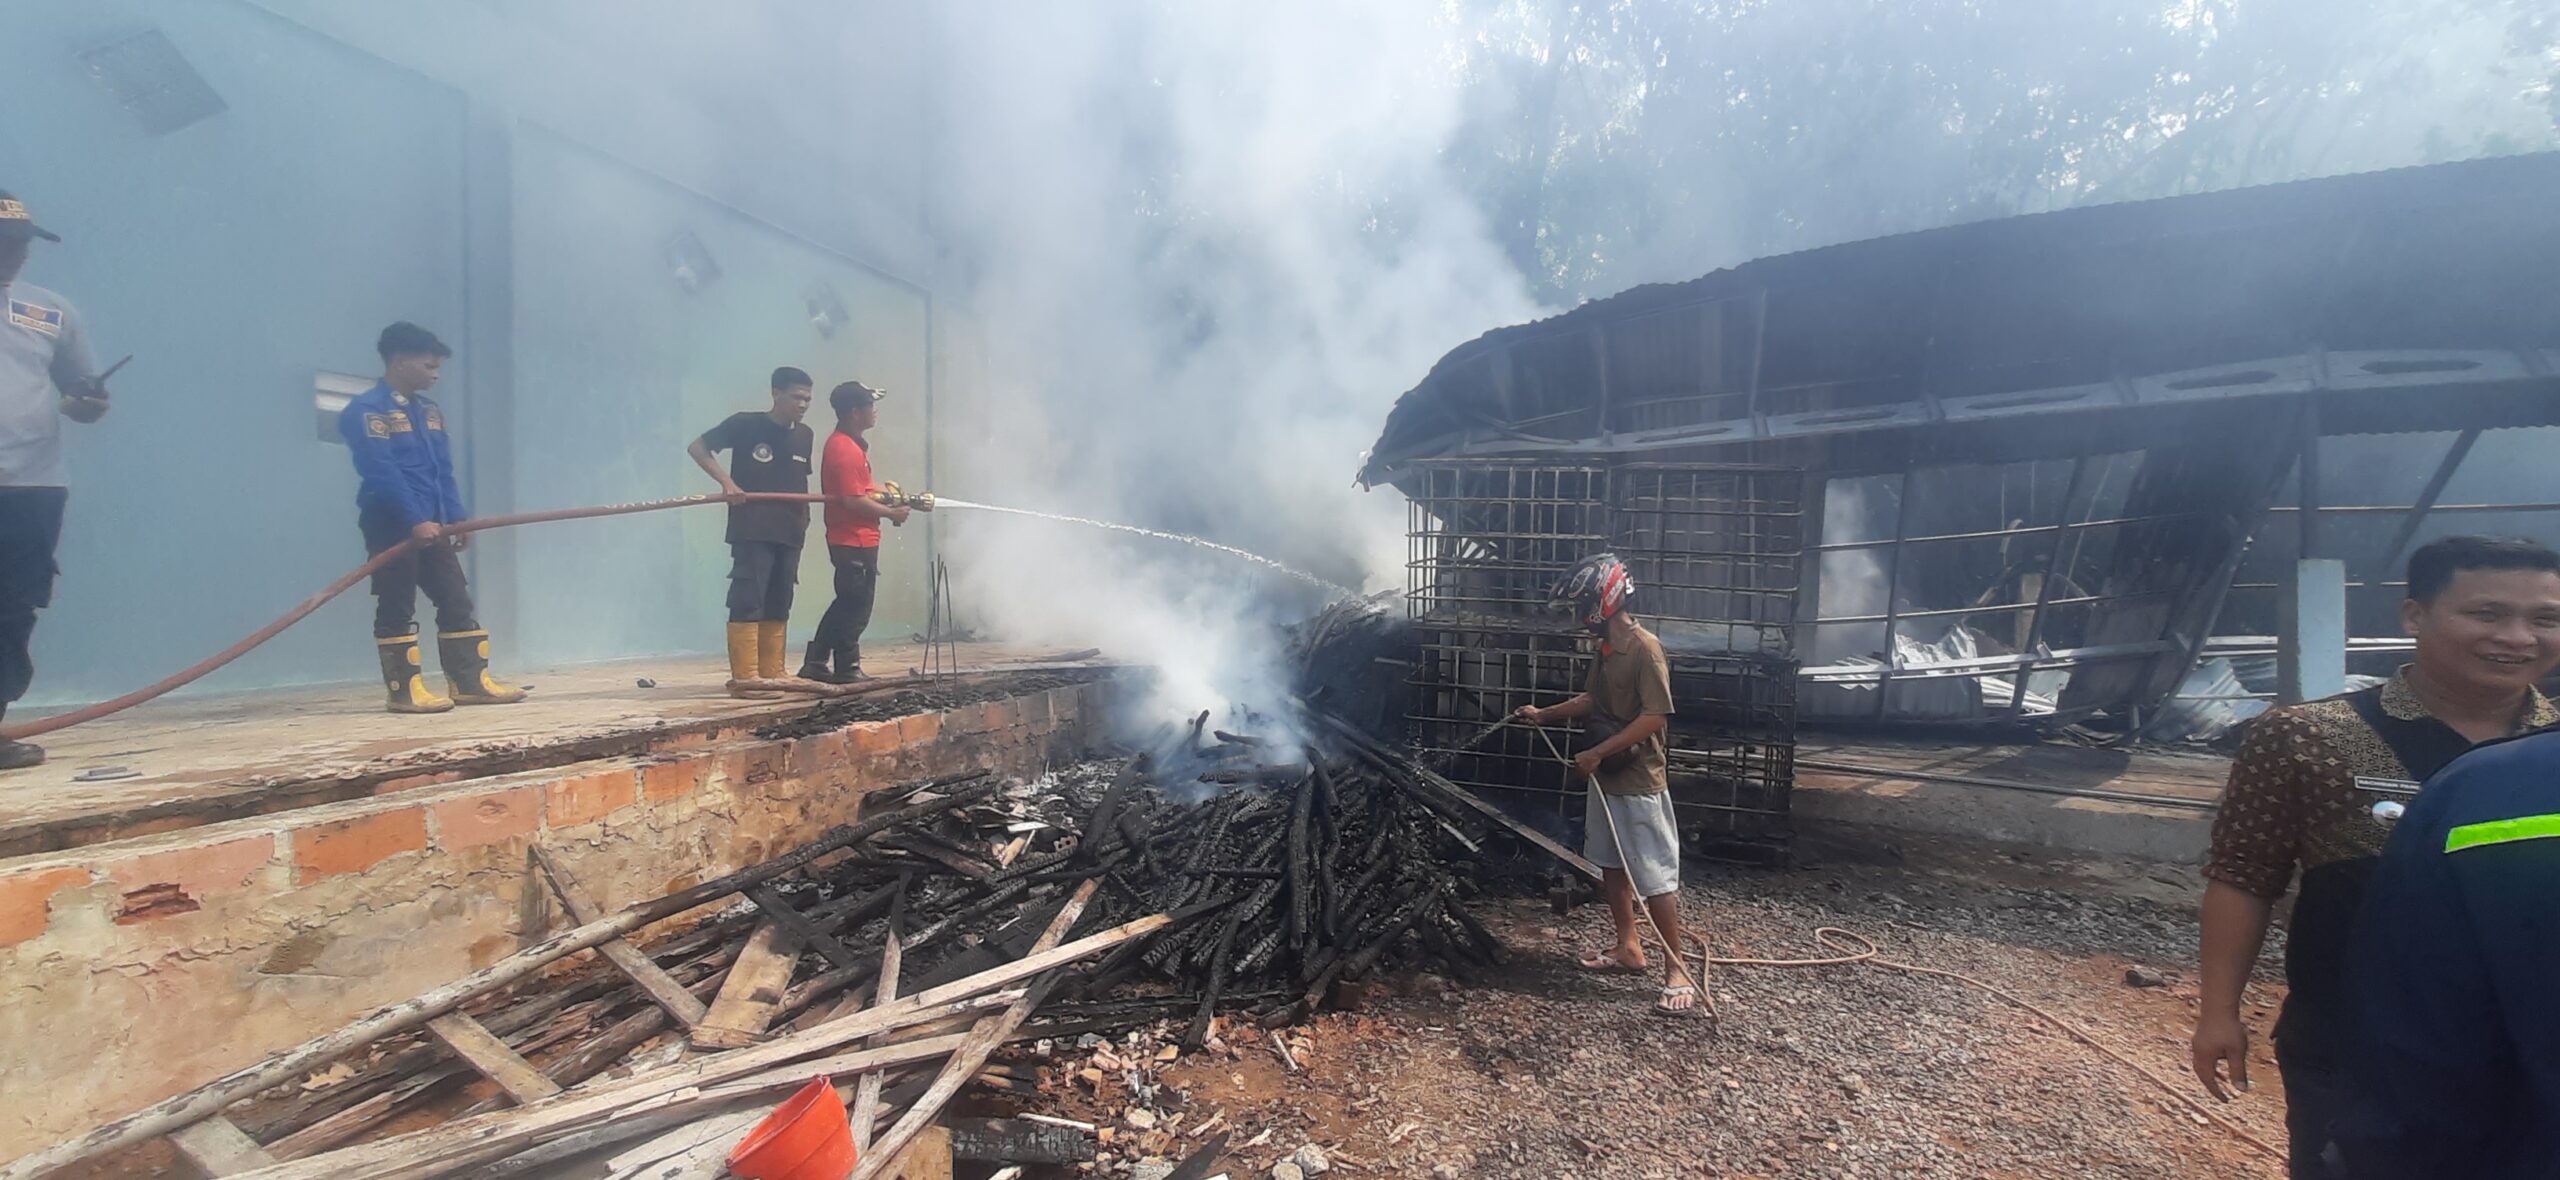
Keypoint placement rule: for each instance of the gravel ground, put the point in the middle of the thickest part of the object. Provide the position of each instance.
(1550, 1072)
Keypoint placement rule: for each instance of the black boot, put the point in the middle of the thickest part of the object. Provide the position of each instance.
(813, 664)
(19, 755)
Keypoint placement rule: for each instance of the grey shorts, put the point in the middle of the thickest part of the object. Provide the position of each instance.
(1646, 828)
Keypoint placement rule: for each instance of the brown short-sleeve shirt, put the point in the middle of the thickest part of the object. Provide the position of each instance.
(2291, 801)
(2301, 798)
(1626, 685)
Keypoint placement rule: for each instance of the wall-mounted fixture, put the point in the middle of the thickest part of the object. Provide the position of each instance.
(149, 77)
(826, 309)
(690, 260)
(330, 393)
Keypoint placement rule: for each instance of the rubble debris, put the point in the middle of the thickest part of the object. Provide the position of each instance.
(1222, 913)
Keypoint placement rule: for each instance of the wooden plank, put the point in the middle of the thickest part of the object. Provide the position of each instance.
(779, 908)
(474, 1043)
(533, 907)
(660, 987)
(339, 1127)
(719, 1132)
(437, 1151)
(928, 1158)
(866, 1092)
(756, 985)
(221, 1148)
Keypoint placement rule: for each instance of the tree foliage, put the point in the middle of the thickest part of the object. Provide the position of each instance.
(1612, 142)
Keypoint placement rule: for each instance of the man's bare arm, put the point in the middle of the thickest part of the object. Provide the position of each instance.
(2235, 929)
(710, 465)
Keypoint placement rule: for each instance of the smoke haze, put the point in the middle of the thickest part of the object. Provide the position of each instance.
(1207, 245)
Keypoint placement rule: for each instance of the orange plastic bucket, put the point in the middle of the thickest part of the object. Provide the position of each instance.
(806, 1138)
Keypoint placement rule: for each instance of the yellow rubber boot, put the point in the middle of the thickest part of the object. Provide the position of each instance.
(465, 656)
(772, 636)
(403, 673)
(742, 663)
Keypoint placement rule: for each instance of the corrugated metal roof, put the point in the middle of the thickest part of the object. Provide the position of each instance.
(1882, 333)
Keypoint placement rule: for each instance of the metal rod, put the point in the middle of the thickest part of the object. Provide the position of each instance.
(2408, 530)
(2052, 568)
(1893, 593)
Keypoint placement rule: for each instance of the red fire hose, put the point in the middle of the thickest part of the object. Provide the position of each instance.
(205, 666)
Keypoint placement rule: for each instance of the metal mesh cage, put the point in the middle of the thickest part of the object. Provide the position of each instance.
(1490, 538)
(1714, 552)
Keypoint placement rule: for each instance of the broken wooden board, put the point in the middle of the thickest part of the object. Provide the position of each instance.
(755, 987)
(779, 908)
(474, 1043)
(220, 1147)
(630, 960)
(928, 1158)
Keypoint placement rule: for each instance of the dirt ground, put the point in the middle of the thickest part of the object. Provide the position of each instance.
(1547, 1071)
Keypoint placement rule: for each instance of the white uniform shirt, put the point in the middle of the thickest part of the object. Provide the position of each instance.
(42, 351)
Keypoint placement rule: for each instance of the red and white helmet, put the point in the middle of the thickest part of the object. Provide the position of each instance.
(1596, 590)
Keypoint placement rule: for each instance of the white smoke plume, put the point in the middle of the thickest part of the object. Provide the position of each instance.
(1206, 246)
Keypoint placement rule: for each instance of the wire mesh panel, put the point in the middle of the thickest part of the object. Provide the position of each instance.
(1725, 695)
(1714, 552)
(1468, 676)
(1490, 538)
(1733, 792)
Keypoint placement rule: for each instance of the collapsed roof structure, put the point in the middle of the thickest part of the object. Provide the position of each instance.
(2053, 461)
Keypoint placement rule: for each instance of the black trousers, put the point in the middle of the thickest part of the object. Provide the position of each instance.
(436, 569)
(761, 575)
(2317, 1092)
(30, 531)
(857, 585)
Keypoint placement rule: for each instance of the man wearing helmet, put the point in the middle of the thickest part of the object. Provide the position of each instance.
(1629, 828)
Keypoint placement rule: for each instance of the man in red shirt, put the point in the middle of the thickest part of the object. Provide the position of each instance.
(853, 535)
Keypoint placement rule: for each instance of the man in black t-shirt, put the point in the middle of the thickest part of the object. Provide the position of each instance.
(768, 452)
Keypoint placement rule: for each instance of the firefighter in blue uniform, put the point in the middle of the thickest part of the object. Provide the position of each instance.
(405, 460)
(2457, 978)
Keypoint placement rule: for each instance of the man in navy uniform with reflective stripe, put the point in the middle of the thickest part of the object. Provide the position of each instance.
(2457, 977)
(44, 378)
(397, 435)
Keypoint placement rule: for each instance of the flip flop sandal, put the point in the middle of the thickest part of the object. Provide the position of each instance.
(1607, 962)
(1696, 1006)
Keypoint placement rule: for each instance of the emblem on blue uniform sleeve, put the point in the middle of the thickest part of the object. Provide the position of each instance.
(47, 320)
(435, 418)
(376, 426)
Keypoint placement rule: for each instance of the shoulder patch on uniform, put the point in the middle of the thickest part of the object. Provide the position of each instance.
(377, 426)
(37, 316)
(2503, 831)
(435, 418)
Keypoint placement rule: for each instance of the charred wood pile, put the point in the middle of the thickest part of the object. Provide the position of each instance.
(1207, 872)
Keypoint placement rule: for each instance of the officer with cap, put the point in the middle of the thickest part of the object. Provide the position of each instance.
(2456, 956)
(45, 376)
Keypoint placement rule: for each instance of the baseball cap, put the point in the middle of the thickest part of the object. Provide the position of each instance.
(16, 221)
(853, 395)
